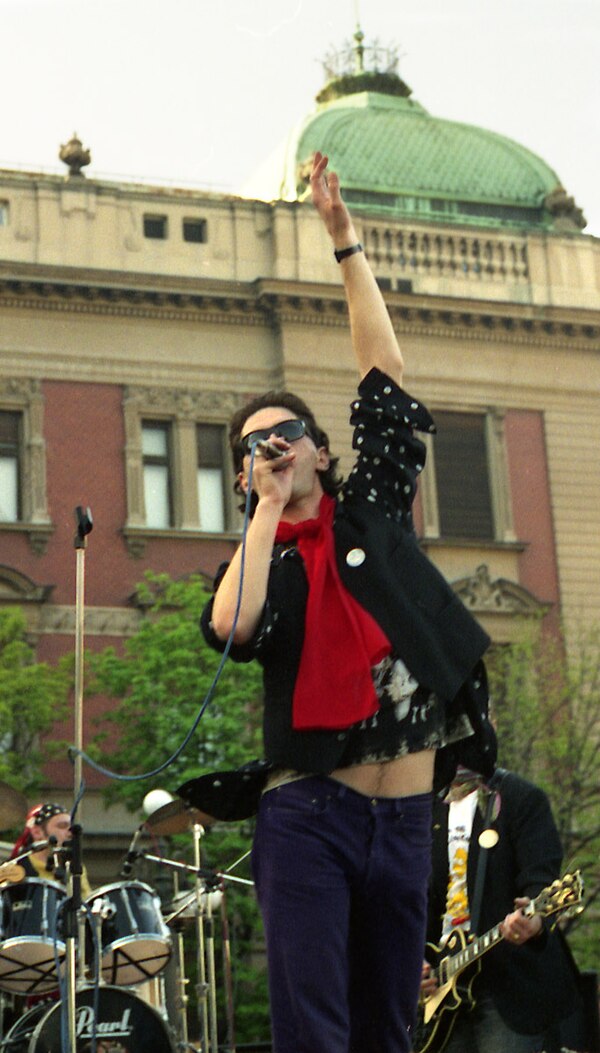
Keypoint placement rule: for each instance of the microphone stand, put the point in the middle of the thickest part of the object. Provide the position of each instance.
(74, 923)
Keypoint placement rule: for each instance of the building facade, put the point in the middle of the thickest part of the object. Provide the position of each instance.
(136, 318)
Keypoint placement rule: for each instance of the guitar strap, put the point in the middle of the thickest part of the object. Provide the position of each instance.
(483, 856)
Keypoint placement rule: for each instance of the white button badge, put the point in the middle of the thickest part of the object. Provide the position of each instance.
(355, 557)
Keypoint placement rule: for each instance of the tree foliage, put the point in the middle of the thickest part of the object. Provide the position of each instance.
(547, 708)
(33, 695)
(156, 687)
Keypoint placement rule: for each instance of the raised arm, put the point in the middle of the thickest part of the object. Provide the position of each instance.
(373, 337)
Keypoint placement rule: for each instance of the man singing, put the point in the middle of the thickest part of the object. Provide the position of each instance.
(371, 663)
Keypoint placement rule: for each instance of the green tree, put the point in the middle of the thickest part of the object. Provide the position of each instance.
(33, 695)
(156, 687)
(547, 707)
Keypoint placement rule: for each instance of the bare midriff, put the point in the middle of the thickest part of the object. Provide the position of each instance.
(401, 777)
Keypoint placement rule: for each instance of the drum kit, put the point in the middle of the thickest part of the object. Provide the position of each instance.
(131, 958)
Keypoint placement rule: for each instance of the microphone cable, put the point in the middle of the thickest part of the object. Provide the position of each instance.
(74, 752)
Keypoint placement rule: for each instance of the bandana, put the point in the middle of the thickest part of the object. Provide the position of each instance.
(37, 816)
(342, 641)
(464, 782)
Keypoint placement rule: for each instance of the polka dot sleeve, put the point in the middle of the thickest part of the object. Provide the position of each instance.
(390, 455)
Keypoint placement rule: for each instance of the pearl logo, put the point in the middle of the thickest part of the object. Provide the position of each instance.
(115, 1028)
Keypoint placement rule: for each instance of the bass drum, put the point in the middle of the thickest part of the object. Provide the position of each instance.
(17, 1039)
(124, 1024)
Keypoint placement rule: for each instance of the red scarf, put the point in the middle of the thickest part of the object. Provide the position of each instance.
(342, 641)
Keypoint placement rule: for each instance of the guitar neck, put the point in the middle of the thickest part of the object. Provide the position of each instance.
(473, 950)
(455, 963)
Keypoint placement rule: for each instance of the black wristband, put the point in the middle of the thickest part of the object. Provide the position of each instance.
(340, 254)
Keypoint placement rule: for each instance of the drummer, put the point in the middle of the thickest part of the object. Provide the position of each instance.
(45, 821)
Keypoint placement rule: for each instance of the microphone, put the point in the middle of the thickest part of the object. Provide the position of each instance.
(39, 846)
(132, 853)
(269, 450)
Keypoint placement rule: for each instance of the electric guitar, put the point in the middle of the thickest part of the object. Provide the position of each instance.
(437, 1012)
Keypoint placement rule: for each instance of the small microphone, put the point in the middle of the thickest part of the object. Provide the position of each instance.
(269, 450)
(39, 846)
(132, 853)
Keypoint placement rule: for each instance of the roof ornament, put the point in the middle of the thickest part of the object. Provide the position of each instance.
(354, 58)
(75, 156)
(565, 212)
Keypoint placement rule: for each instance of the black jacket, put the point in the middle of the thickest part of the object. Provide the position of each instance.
(426, 623)
(533, 985)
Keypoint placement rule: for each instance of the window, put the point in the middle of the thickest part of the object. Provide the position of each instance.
(465, 487)
(10, 469)
(211, 496)
(157, 474)
(194, 230)
(461, 470)
(3, 213)
(178, 469)
(155, 226)
(23, 497)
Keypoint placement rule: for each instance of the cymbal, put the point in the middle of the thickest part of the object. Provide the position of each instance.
(13, 807)
(176, 817)
(11, 872)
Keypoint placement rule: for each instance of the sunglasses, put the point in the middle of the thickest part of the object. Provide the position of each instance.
(290, 430)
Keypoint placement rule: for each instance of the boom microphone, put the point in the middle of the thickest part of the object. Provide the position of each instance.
(39, 846)
(132, 853)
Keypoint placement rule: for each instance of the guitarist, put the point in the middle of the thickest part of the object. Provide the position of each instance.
(527, 983)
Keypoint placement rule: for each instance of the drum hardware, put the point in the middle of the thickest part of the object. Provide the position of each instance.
(198, 905)
(37, 846)
(123, 1021)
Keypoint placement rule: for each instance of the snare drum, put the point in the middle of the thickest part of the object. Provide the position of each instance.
(124, 1022)
(135, 943)
(29, 947)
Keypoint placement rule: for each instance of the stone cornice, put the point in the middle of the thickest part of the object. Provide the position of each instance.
(272, 302)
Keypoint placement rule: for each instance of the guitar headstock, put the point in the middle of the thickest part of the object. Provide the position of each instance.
(564, 894)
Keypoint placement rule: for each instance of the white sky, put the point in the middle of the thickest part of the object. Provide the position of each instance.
(202, 92)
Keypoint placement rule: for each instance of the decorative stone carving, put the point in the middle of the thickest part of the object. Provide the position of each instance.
(483, 596)
(16, 587)
(184, 404)
(561, 205)
(98, 621)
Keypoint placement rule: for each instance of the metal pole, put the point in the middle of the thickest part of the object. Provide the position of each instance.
(84, 526)
(74, 928)
(202, 987)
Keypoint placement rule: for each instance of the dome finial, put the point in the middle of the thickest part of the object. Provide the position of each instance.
(359, 51)
(359, 36)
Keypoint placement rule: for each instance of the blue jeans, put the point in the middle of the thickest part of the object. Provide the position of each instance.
(342, 881)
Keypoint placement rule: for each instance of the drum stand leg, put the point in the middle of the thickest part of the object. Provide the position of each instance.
(181, 997)
(228, 974)
(206, 993)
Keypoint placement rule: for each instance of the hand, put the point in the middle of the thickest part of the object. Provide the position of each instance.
(327, 199)
(517, 928)
(428, 982)
(272, 478)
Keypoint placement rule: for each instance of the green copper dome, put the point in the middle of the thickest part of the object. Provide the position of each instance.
(396, 159)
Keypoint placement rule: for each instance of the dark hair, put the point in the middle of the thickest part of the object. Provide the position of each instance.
(331, 481)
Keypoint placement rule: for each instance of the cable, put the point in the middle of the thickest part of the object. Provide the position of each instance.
(74, 752)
